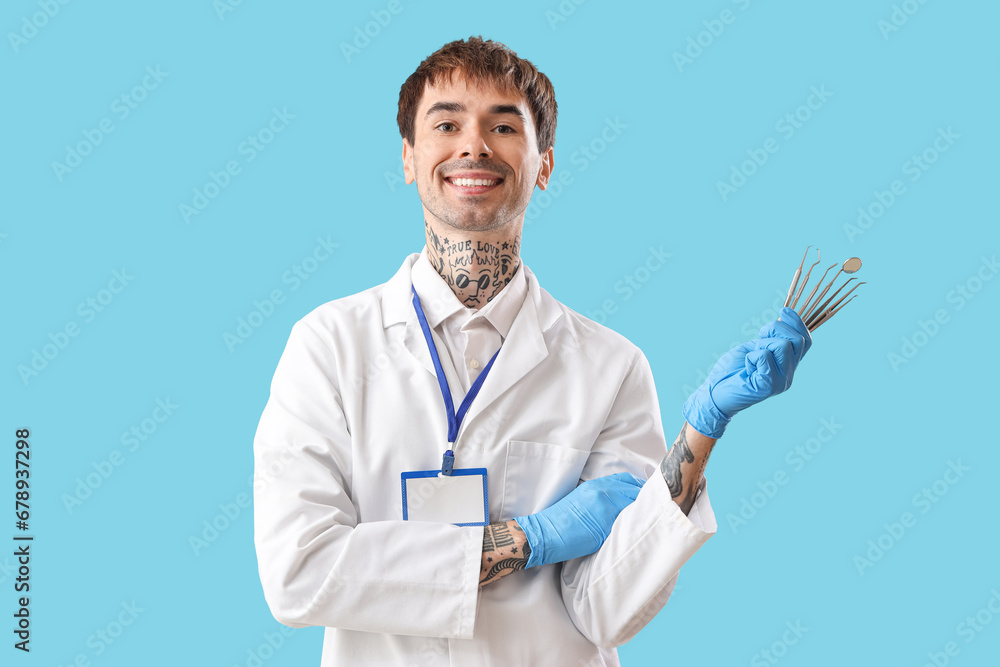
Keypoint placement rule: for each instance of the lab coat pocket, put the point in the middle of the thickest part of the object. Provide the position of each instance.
(538, 474)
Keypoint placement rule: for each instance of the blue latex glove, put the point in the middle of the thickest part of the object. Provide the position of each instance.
(748, 374)
(578, 524)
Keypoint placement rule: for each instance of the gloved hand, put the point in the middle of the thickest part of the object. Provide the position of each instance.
(578, 524)
(748, 374)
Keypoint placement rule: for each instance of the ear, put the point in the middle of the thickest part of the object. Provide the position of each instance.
(409, 173)
(545, 170)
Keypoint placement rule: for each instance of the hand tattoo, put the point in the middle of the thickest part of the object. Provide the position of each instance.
(496, 537)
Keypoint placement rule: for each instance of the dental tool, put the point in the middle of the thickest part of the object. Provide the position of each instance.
(814, 311)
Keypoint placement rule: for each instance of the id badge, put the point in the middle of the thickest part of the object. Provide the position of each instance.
(460, 498)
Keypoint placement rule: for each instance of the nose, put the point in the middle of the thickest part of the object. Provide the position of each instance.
(476, 146)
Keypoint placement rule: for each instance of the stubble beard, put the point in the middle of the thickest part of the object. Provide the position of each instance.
(471, 218)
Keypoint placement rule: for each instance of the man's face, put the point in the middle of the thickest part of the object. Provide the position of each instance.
(465, 135)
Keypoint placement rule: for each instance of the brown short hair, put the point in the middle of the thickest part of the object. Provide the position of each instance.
(482, 61)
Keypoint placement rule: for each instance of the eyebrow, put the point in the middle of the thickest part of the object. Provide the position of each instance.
(457, 107)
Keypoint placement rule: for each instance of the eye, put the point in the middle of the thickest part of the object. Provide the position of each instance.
(509, 129)
(446, 127)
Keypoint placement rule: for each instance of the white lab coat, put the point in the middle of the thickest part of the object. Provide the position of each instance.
(355, 401)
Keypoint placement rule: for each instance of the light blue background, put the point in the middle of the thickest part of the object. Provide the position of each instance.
(331, 173)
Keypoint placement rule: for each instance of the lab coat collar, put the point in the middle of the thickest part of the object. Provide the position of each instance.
(436, 297)
(397, 298)
(440, 302)
(503, 309)
(523, 349)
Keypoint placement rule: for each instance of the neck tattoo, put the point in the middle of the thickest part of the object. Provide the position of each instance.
(475, 269)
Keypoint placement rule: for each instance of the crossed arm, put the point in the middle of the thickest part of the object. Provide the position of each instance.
(506, 548)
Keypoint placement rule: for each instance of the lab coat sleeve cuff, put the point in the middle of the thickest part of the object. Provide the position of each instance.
(701, 514)
(470, 571)
(665, 528)
(627, 582)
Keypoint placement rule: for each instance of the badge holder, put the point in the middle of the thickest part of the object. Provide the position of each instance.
(449, 495)
(461, 498)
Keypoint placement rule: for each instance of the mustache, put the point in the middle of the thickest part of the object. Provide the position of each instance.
(471, 165)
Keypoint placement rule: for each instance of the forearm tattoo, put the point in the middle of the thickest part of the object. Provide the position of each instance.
(476, 270)
(500, 552)
(670, 466)
(683, 479)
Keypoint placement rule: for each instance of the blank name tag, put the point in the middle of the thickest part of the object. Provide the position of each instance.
(460, 498)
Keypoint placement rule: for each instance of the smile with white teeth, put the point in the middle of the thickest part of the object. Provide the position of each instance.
(473, 182)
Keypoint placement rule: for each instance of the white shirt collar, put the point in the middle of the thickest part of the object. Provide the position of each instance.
(439, 301)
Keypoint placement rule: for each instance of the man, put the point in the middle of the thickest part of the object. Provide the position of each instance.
(563, 417)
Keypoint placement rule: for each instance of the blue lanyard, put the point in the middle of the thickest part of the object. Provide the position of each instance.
(454, 420)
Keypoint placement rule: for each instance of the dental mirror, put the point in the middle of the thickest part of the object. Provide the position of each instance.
(852, 264)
